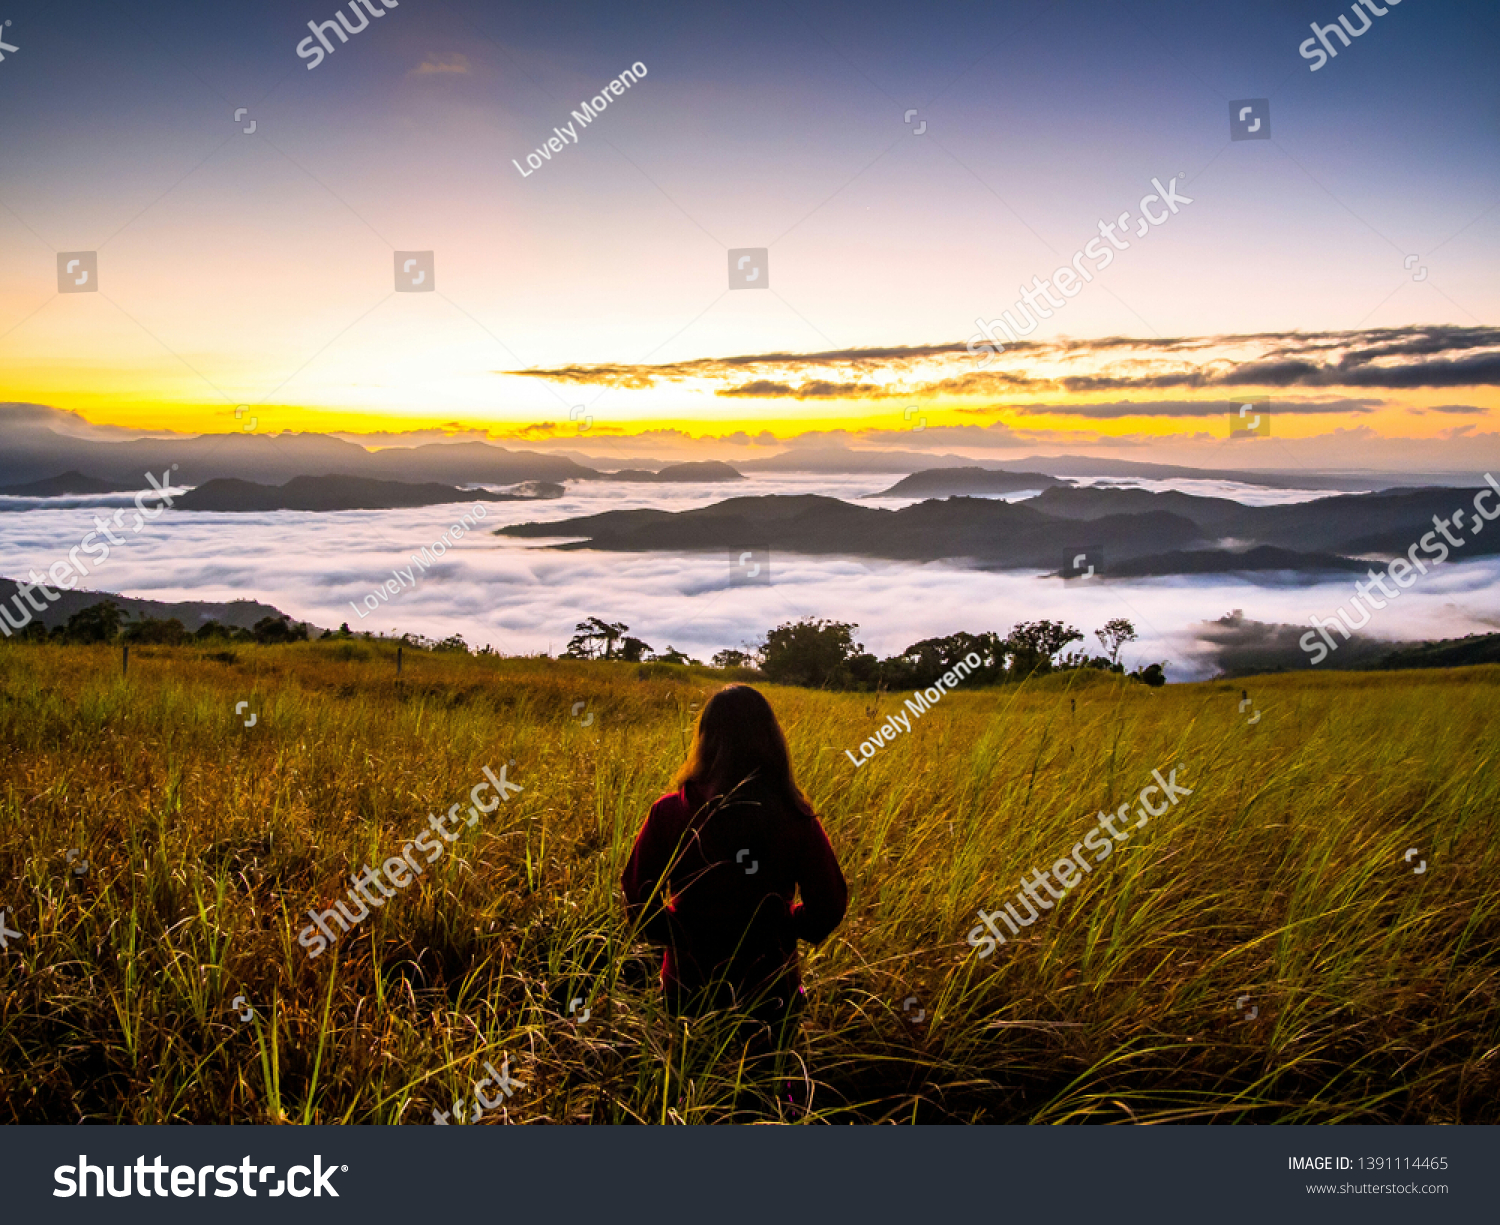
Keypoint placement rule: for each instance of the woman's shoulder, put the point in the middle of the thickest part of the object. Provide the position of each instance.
(671, 804)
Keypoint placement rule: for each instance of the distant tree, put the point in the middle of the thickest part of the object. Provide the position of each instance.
(595, 639)
(453, 645)
(1082, 659)
(1032, 645)
(96, 623)
(632, 649)
(733, 659)
(923, 662)
(167, 633)
(1153, 675)
(270, 630)
(1114, 635)
(35, 631)
(862, 672)
(812, 652)
(672, 656)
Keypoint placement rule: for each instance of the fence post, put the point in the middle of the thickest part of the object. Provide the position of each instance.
(125, 659)
(398, 661)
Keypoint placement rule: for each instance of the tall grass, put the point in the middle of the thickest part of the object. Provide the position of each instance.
(1282, 878)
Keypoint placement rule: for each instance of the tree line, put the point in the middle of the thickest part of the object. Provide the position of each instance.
(108, 622)
(823, 654)
(812, 652)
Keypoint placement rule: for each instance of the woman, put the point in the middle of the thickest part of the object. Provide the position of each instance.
(718, 864)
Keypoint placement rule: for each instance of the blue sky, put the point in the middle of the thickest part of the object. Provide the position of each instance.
(251, 268)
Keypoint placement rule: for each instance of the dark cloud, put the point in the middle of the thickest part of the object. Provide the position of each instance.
(1177, 408)
(1355, 370)
(986, 383)
(634, 377)
(1242, 647)
(18, 418)
(815, 389)
(1389, 358)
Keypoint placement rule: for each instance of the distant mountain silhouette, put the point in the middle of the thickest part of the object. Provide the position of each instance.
(697, 470)
(60, 486)
(846, 459)
(966, 482)
(990, 532)
(193, 614)
(872, 462)
(1447, 653)
(1227, 561)
(37, 441)
(30, 452)
(1163, 533)
(1134, 469)
(1387, 522)
(339, 492)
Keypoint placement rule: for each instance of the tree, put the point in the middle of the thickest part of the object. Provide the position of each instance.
(923, 662)
(168, 633)
(595, 639)
(632, 649)
(1152, 675)
(733, 659)
(270, 630)
(812, 652)
(673, 656)
(1114, 635)
(1034, 643)
(96, 623)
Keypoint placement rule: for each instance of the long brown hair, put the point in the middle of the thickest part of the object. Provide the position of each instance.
(738, 739)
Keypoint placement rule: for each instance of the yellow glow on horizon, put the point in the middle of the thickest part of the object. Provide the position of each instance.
(783, 418)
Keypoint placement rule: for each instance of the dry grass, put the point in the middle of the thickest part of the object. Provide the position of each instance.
(1281, 878)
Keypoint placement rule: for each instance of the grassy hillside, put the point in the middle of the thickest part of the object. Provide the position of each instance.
(1282, 878)
(1449, 653)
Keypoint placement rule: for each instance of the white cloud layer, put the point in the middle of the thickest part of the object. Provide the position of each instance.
(523, 597)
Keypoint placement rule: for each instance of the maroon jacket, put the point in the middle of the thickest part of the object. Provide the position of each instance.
(730, 873)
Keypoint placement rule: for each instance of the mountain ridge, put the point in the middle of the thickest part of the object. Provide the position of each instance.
(1125, 525)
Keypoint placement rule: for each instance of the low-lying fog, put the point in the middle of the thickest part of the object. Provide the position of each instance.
(523, 597)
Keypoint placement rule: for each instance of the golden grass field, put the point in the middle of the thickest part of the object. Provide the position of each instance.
(1376, 990)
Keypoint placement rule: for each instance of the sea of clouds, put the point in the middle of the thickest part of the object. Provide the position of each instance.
(522, 596)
